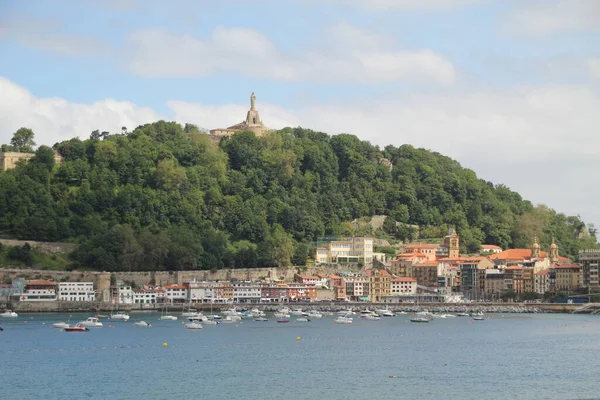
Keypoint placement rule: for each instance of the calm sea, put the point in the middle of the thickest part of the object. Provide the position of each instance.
(504, 357)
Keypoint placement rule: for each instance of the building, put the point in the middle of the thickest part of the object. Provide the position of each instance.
(403, 286)
(519, 256)
(429, 251)
(469, 280)
(589, 260)
(490, 248)
(541, 283)
(494, 283)
(176, 293)
(357, 250)
(513, 278)
(12, 290)
(37, 290)
(9, 160)
(252, 123)
(564, 277)
(358, 288)
(148, 296)
(426, 273)
(452, 243)
(245, 292)
(308, 279)
(380, 284)
(76, 291)
(122, 293)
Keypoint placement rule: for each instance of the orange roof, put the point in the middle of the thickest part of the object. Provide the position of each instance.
(566, 266)
(335, 277)
(514, 267)
(515, 254)
(39, 282)
(175, 287)
(427, 264)
(404, 279)
(543, 272)
(490, 246)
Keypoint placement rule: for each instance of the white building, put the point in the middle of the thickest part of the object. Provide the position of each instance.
(246, 293)
(38, 290)
(403, 286)
(147, 296)
(491, 248)
(359, 249)
(541, 281)
(357, 287)
(76, 291)
(122, 294)
(176, 293)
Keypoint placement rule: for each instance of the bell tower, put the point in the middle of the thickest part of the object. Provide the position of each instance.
(553, 253)
(452, 242)
(535, 248)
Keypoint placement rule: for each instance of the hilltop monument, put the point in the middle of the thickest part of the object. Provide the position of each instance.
(252, 123)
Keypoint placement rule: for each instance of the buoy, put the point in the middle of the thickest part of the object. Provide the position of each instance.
(165, 344)
(298, 338)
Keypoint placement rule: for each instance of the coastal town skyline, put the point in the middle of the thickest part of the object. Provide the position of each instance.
(525, 86)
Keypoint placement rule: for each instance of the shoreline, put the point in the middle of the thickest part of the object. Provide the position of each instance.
(67, 307)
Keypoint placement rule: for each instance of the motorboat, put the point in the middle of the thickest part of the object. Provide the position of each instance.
(101, 316)
(345, 312)
(91, 322)
(478, 318)
(192, 314)
(211, 322)
(229, 320)
(61, 325)
(119, 316)
(283, 320)
(255, 312)
(302, 319)
(371, 317)
(193, 325)
(296, 312)
(387, 313)
(261, 319)
(9, 314)
(315, 314)
(280, 314)
(420, 320)
(143, 324)
(76, 328)
(168, 318)
(462, 314)
(342, 320)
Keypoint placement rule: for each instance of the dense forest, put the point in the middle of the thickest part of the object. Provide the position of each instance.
(163, 196)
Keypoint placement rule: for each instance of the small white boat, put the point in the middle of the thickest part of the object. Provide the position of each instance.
(462, 314)
(91, 322)
(61, 325)
(302, 319)
(478, 318)
(229, 320)
(281, 315)
(192, 314)
(371, 317)
(342, 320)
(143, 324)
(193, 325)
(296, 312)
(261, 319)
(345, 312)
(420, 320)
(168, 318)
(9, 314)
(255, 312)
(119, 316)
(315, 314)
(211, 322)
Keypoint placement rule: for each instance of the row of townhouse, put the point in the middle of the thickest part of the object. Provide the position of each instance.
(374, 285)
(44, 290)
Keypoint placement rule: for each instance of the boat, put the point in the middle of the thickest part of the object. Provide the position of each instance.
(345, 312)
(281, 315)
(462, 314)
(193, 325)
(302, 319)
(478, 318)
(191, 312)
(76, 328)
(143, 324)
(101, 316)
(420, 320)
(61, 325)
(119, 316)
(261, 319)
(9, 314)
(229, 320)
(296, 312)
(91, 322)
(283, 321)
(166, 317)
(315, 314)
(371, 317)
(342, 320)
(211, 322)
(384, 312)
(255, 312)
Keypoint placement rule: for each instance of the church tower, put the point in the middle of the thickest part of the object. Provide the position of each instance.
(452, 242)
(553, 253)
(535, 248)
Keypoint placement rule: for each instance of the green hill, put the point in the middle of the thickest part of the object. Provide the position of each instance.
(164, 197)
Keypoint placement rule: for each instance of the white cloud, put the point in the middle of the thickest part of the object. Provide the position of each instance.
(55, 119)
(593, 65)
(49, 35)
(352, 55)
(553, 16)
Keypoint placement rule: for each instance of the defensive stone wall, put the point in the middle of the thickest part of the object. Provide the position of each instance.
(44, 247)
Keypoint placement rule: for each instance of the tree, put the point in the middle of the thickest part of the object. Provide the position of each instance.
(22, 140)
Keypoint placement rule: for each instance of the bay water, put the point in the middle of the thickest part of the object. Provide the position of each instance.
(510, 356)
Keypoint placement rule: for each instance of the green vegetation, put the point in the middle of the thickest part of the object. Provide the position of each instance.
(163, 197)
(18, 256)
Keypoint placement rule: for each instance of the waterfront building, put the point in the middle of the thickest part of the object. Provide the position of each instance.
(541, 282)
(590, 261)
(513, 279)
(12, 290)
(309, 279)
(357, 287)
(76, 291)
(273, 292)
(148, 296)
(301, 292)
(403, 286)
(339, 292)
(426, 273)
(357, 250)
(176, 293)
(403, 264)
(38, 290)
(244, 292)
(122, 293)
(469, 280)
(564, 277)
(493, 283)
(380, 283)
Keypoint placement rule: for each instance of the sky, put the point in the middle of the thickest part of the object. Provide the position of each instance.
(509, 88)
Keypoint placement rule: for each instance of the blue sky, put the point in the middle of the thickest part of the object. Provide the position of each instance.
(509, 88)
